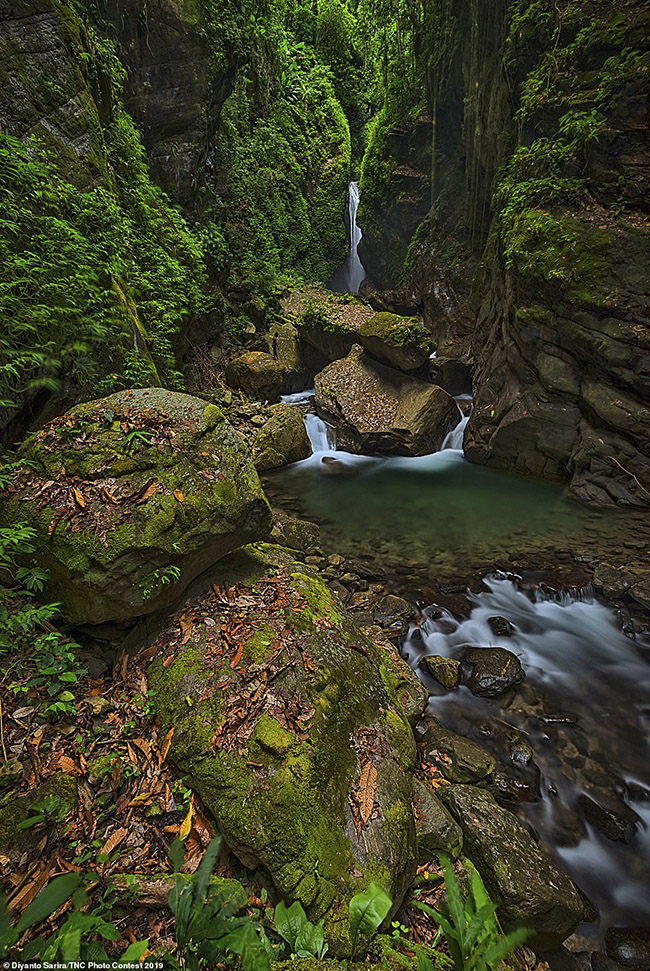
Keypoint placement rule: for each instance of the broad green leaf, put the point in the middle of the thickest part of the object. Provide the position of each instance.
(290, 921)
(368, 910)
(49, 899)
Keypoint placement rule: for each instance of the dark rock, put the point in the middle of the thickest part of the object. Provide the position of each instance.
(282, 439)
(600, 962)
(437, 831)
(492, 670)
(610, 817)
(296, 534)
(459, 759)
(451, 374)
(500, 627)
(518, 874)
(629, 947)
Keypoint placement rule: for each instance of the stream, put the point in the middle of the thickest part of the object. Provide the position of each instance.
(583, 707)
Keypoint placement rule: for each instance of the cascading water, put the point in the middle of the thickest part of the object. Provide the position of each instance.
(349, 277)
(579, 665)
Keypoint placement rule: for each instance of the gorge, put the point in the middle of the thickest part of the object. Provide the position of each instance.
(325, 486)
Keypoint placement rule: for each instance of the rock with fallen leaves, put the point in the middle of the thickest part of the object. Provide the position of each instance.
(288, 722)
(375, 408)
(132, 497)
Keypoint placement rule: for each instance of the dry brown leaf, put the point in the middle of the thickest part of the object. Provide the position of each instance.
(237, 658)
(31, 889)
(179, 495)
(186, 629)
(79, 499)
(108, 497)
(67, 765)
(367, 786)
(186, 825)
(148, 492)
(113, 840)
(164, 748)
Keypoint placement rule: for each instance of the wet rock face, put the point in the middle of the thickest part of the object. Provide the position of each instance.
(492, 670)
(378, 410)
(459, 759)
(296, 737)
(132, 496)
(629, 947)
(521, 879)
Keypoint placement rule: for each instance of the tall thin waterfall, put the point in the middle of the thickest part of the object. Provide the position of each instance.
(348, 278)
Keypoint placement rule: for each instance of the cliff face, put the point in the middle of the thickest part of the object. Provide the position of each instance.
(536, 244)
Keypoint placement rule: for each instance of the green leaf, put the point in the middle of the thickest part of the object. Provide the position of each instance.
(368, 910)
(176, 854)
(290, 921)
(49, 899)
(134, 952)
(311, 941)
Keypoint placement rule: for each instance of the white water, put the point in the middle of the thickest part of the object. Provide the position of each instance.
(584, 668)
(349, 278)
(323, 443)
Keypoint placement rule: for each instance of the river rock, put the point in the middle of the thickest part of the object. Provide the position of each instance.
(281, 440)
(459, 759)
(294, 533)
(132, 496)
(437, 830)
(260, 375)
(292, 731)
(445, 670)
(629, 946)
(376, 409)
(610, 816)
(492, 670)
(401, 342)
(500, 627)
(527, 887)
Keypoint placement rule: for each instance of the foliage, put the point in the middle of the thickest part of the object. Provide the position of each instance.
(303, 938)
(207, 929)
(368, 910)
(25, 626)
(76, 939)
(469, 925)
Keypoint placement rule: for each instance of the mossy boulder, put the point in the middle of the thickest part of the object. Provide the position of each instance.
(286, 725)
(401, 342)
(282, 440)
(264, 377)
(13, 811)
(377, 409)
(132, 497)
(521, 878)
(459, 759)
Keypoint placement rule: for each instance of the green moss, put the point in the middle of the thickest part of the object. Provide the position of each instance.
(319, 600)
(14, 810)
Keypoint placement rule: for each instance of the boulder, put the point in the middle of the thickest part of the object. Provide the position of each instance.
(376, 409)
(445, 670)
(629, 947)
(288, 722)
(401, 342)
(459, 759)
(437, 830)
(281, 440)
(132, 496)
(492, 670)
(294, 533)
(261, 376)
(527, 887)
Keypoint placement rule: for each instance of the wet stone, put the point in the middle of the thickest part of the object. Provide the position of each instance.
(629, 946)
(492, 670)
(500, 627)
(445, 670)
(616, 821)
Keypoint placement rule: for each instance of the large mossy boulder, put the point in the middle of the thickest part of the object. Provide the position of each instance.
(376, 409)
(521, 878)
(132, 496)
(400, 342)
(264, 377)
(289, 722)
(281, 440)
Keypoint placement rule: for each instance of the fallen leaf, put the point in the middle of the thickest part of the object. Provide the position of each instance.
(186, 825)
(113, 840)
(67, 765)
(179, 495)
(79, 499)
(367, 786)
(108, 497)
(29, 891)
(237, 658)
(164, 748)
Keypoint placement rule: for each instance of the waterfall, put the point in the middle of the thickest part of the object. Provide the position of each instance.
(349, 277)
(454, 438)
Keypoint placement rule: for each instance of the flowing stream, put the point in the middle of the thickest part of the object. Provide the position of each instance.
(349, 277)
(583, 708)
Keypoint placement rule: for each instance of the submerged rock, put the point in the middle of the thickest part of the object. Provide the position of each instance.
(281, 440)
(492, 670)
(290, 724)
(376, 409)
(629, 946)
(522, 880)
(133, 496)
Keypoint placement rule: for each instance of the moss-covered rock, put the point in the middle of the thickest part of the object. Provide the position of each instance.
(133, 496)
(437, 830)
(282, 440)
(264, 377)
(14, 841)
(376, 409)
(400, 342)
(520, 877)
(458, 758)
(286, 727)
